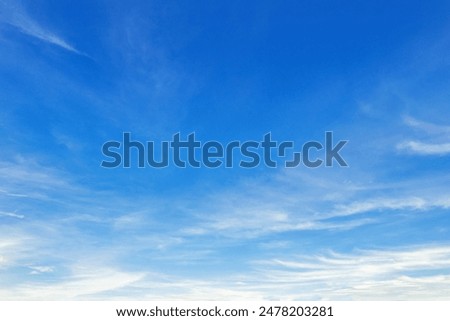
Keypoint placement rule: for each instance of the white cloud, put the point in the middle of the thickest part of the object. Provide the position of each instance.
(10, 214)
(278, 207)
(377, 204)
(40, 269)
(14, 246)
(437, 138)
(14, 15)
(421, 148)
(25, 178)
(84, 283)
(415, 273)
(427, 127)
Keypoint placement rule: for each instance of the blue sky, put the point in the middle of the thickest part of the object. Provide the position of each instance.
(75, 75)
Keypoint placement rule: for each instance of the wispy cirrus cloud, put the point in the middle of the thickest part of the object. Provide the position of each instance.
(14, 14)
(427, 127)
(26, 178)
(295, 202)
(11, 214)
(384, 204)
(385, 274)
(40, 269)
(435, 142)
(422, 148)
(84, 283)
(396, 274)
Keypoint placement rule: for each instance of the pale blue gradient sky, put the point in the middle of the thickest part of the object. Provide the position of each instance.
(76, 74)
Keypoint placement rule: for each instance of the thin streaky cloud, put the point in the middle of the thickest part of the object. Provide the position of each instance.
(366, 274)
(295, 212)
(386, 274)
(85, 282)
(364, 206)
(40, 269)
(421, 148)
(6, 193)
(21, 178)
(17, 17)
(437, 138)
(10, 214)
(426, 126)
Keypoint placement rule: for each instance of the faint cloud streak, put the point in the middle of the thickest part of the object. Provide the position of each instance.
(16, 16)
